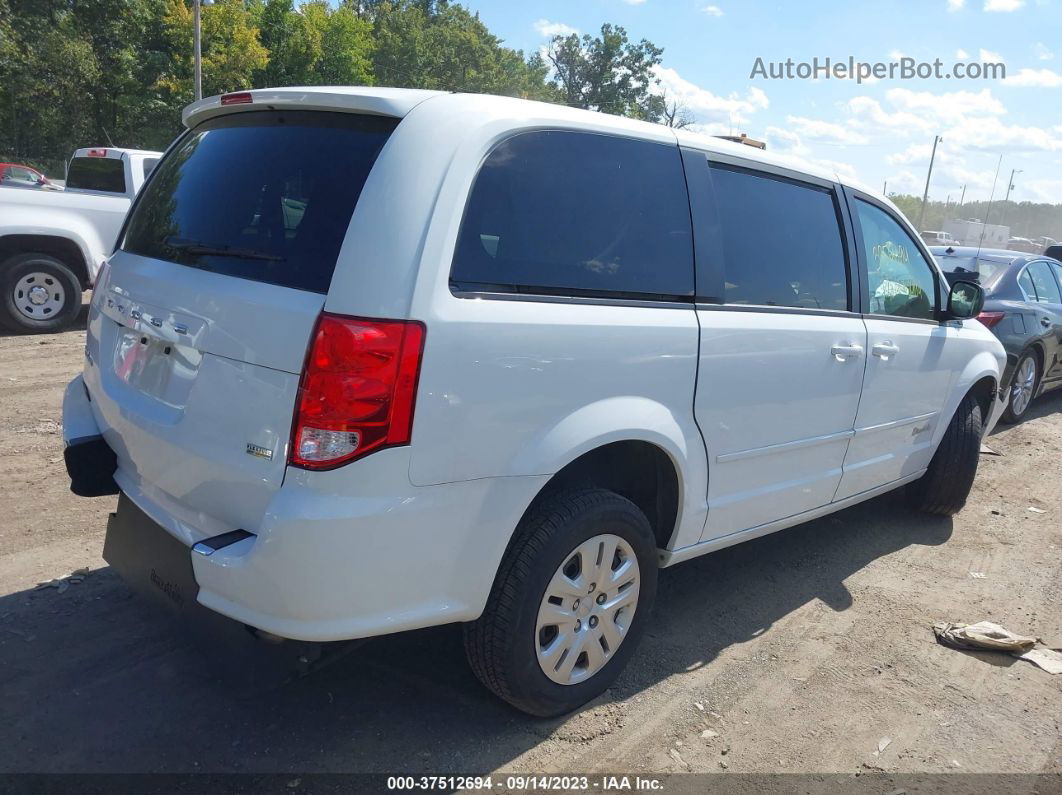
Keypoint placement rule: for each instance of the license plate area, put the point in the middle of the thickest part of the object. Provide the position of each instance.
(150, 560)
(155, 366)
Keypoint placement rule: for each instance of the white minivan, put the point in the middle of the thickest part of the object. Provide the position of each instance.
(367, 360)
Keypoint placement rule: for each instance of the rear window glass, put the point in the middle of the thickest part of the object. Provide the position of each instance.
(560, 212)
(782, 243)
(96, 173)
(265, 196)
(987, 271)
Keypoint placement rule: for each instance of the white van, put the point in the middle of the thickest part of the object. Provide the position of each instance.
(367, 360)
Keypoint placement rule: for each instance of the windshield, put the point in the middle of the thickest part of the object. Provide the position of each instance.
(265, 196)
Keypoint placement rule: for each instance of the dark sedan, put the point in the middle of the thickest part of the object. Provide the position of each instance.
(1023, 307)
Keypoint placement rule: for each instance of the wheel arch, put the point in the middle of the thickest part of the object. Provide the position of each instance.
(641, 471)
(65, 249)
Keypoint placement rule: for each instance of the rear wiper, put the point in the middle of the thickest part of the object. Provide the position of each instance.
(199, 247)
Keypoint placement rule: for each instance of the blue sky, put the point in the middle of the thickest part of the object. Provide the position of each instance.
(876, 131)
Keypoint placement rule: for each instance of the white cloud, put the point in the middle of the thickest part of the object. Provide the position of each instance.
(788, 144)
(1035, 78)
(634, 2)
(896, 55)
(993, 135)
(551, 29)
(706, 106)
(825, 131)
(946, 106)
(1003, 5)
(1042, 52)
(713, 11)
(868, 114)
(961, 54)
(987, 56)
(955, 5)
(1043, 190)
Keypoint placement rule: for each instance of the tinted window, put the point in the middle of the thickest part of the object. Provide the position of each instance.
(264, 196)
(149, 165)
(1046, 289)
(96, 173)
(1025, 280)
(782, 242)
(565, 212)
(986, 271)
(900, 280)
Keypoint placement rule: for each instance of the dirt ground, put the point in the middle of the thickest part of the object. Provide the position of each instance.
(798, 652)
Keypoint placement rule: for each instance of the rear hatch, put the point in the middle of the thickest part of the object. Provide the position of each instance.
(201, 321)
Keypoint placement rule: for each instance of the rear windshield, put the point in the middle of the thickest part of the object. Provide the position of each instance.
(96, 173)
(956, 268)
(265, 196)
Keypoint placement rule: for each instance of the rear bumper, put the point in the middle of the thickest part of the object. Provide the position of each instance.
(90, 462)
(343, 554)
(384, 557)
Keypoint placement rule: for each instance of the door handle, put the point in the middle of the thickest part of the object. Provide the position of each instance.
(885, 350)
(1045, 322)
(843, 352)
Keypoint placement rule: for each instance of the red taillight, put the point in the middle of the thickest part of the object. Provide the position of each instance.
(240, 98)
(97, 152)
(991, 319)
(358, 390)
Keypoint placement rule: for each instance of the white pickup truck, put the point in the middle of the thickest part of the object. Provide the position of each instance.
(53, 243)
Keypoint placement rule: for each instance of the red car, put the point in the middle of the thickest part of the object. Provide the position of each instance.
(14, 174)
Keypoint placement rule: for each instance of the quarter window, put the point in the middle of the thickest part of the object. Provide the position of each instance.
(900, 281)
(782, 243)
(1025, 280)
(1046, 289)
(576, 213)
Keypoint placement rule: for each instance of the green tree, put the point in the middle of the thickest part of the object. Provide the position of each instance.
(607, 73)
(437, 45)
(232, 52)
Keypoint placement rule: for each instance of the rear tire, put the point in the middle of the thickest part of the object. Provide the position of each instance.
(38, 294)
(509, 646)
(1022, 389)
(943, 489)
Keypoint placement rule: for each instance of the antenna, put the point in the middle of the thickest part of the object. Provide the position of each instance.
(988, 215)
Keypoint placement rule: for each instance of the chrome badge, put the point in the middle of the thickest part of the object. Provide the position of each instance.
(260, 452)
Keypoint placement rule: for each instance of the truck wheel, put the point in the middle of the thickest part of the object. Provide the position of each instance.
(569, 604)
(39, 294)
(944, 487)
(1022, 387)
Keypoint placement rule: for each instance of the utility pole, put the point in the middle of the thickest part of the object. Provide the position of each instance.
(925, 196)
(962, 199)
(885, 188)
(1010, 187)
(198, 36)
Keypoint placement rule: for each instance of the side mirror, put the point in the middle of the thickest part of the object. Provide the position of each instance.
(965, 300)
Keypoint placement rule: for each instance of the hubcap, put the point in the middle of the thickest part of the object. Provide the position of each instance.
(587, 609)
(1021, 392)
(39, 296)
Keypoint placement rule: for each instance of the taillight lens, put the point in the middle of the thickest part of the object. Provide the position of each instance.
(991, 319)
(358, 390)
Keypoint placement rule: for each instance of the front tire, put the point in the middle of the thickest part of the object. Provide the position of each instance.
(1023, 387)
(569, 604)
(38, 293)
(943, 489)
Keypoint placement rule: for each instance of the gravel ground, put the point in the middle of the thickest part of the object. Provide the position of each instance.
(799, 652)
